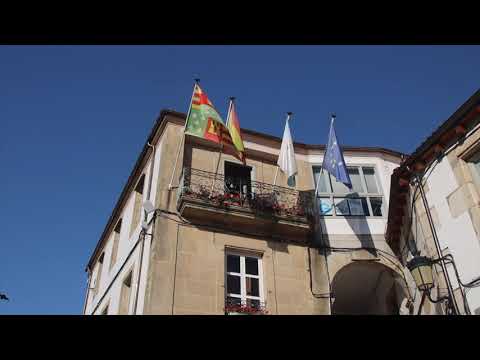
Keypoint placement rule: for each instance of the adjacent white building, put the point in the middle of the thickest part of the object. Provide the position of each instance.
(448, 164)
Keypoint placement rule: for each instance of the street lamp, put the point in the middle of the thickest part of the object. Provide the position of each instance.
(421, 270)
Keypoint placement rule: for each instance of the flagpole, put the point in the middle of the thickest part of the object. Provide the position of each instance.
(221, 147)
(318, 211)
(289, 114)
(197, 81)
(321, 170)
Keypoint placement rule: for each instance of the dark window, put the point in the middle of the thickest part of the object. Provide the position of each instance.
(252, 286)
(251, 266)
(233, 263)
(233, 284)
(253, 303)
(376, 206)
(238, 179)
(233, 301)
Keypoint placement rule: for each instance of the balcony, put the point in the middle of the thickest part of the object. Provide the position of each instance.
(255, 208)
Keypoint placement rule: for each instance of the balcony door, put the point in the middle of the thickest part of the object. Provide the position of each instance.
(238, 179)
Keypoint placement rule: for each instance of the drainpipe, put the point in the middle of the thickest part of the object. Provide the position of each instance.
(88, 290)
(437, 245)
(144, 231)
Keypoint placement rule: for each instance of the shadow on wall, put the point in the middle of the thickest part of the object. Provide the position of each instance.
(278, 246)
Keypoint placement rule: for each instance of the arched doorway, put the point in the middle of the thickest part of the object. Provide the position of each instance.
(366, 288)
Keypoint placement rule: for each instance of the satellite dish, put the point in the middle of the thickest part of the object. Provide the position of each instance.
(148, 206)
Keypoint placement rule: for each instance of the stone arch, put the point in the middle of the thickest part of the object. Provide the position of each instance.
(368, 287)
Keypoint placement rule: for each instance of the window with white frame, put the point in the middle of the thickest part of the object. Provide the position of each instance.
(244, 281)
(336, 199)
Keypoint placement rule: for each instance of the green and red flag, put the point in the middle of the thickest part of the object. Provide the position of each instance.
(236, 135)
(204, 120)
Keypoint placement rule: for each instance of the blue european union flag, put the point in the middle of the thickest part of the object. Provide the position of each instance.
(333, 162)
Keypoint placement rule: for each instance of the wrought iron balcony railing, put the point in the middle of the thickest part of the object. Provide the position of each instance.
(260, 198)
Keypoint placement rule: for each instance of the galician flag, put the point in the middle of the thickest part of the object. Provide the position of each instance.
(286, 160)
(234, 127)
(333, 162)
(204, 120)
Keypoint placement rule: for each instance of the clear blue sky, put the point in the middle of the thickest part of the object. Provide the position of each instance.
(73, 120)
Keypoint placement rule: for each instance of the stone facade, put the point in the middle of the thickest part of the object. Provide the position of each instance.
(183, 262)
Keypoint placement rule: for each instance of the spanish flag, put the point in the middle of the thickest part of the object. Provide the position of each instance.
(235, 134)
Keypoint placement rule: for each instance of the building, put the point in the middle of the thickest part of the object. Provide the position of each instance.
(233, 242)
(436, 211)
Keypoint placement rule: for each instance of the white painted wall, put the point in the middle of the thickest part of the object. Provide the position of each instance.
(111, 279)
(457, 234)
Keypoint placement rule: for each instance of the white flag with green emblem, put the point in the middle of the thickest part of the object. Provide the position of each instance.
(286, 160)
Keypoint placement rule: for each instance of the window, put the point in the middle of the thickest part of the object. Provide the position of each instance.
(238, 179)
(244, 282)
(96, 284)
(116, 240)
(336, 199)
(137, 206)
(125, 293)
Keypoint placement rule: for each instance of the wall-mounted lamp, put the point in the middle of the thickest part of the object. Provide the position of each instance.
(421, 270)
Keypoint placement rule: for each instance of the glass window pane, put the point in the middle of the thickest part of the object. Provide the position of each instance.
(233, 284)
(291, 181)
(354, 174)
(252, 286)
(376, 206)
(251, 266)
(370, 180)
(326, 207)
(366, 211)
(253, 303)
(356, 207)
(341, 206)
(339, 187)
(233, 301)
(233, 263)
(324, 185)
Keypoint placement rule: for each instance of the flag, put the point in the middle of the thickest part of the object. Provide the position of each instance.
(286, 160)
(333, 162)
(204, 120)
(233, 126)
